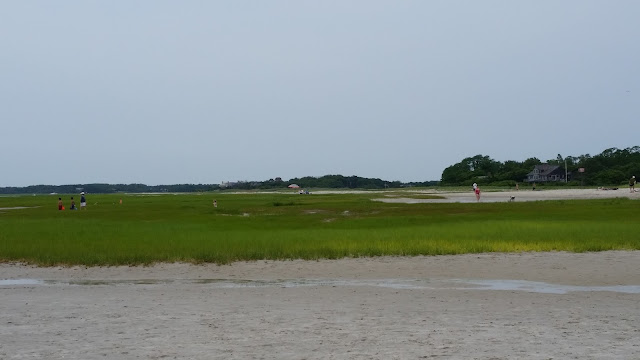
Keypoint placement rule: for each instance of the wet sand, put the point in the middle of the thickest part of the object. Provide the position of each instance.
(482, 306)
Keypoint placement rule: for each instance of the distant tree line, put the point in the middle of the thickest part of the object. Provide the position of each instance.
(328, 181)
(353, 182)
(106, 188)
(611, 167)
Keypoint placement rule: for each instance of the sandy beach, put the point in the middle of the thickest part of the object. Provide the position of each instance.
(486, 306)
(479, 306)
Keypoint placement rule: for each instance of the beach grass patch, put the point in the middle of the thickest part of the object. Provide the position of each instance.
(257, 226)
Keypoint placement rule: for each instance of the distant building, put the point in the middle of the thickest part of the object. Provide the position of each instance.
(230, 184)
(546, 173)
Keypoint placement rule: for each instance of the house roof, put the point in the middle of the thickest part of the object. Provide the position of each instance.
(544, 169)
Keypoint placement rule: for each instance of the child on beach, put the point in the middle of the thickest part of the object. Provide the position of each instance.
(477, 191)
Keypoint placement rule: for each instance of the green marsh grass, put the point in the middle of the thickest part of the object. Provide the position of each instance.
(255, 226)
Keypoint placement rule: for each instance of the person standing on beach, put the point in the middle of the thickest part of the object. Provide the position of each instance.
(83, 201)
(60, 204)
(632, 184)
(477, 191)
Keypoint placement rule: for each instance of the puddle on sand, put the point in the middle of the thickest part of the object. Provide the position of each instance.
(400, 284)
(21, 282)
(542, 287)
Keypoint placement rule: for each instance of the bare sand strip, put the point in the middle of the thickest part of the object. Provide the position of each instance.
(518, 196)
(546, 306)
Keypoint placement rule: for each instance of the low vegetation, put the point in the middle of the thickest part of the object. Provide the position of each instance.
(187, 228)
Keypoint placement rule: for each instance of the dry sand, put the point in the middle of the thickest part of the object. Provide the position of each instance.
(521, 195)
(487, 306)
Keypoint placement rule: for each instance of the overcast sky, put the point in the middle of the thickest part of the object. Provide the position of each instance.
(167, 92)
